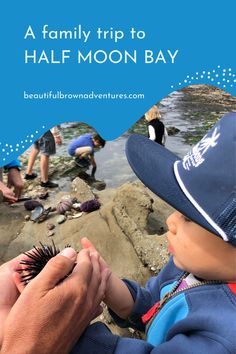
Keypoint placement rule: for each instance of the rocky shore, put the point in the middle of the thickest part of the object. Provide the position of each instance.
(128, 230)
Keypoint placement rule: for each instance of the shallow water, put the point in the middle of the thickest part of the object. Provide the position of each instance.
(112, 164)
(192, 111)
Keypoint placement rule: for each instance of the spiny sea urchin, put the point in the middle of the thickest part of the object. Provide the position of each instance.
(38, 258)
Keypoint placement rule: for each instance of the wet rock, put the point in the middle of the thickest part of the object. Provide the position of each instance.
(81, 189)
(172, 130)
(99, 185)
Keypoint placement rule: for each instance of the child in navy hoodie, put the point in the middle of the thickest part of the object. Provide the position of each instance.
(190, 307)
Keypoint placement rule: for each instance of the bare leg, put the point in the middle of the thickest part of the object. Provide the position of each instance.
(44, 166)
(32, 157)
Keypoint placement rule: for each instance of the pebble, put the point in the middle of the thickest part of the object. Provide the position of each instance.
(50, 233)
(50, 226)
(27, 217)
(61, 219)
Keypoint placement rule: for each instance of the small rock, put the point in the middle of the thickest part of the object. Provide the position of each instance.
(61, 219)
(50, 226)
(27, 217)
(50, 233)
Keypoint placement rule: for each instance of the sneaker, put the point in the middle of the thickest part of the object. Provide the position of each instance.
(49, 184)
(32, 176)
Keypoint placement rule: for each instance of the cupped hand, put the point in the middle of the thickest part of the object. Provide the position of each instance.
(50, 315)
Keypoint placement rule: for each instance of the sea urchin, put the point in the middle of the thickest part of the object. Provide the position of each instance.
(38, 258)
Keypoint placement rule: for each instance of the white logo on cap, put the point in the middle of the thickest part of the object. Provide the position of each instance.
(195, 157)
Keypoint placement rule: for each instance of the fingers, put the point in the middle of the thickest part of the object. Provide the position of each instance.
(98, 283)
(86, 243)
(83, 269)
(10, 197)
(96, 276)
(56, 269)
(18, 283)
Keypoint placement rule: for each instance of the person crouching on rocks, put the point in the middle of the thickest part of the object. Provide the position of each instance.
(83, 149)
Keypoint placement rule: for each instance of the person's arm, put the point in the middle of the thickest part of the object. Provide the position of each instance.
(50, 315)
(98, 339)
(93, 163)
(165, 135)
(57, 134)
(152, 134)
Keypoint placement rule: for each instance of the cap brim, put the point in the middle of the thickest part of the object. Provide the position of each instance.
(154, 166)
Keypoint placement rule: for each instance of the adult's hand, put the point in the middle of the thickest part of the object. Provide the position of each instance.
(8, 290)
(15, 180)
(49, 316)
(8, 194)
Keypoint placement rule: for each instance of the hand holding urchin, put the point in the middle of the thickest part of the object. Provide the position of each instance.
(37, 259)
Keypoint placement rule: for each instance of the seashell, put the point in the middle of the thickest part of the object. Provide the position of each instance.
(76, 216)
(50, 233)
(90, 205)
(76, 206)
(63, 206)
(61, 219)
(37, 213)
(32, 204)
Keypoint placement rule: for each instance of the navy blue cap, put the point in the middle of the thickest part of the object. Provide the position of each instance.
(202, 185)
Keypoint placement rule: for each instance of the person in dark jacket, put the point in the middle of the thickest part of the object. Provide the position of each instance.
(156, 129)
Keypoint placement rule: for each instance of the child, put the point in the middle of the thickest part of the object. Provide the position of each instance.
(46, 146)
(82, 148)
(190, 307)
(156, 129)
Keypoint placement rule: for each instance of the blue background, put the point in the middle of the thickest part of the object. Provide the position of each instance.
(202, 31)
